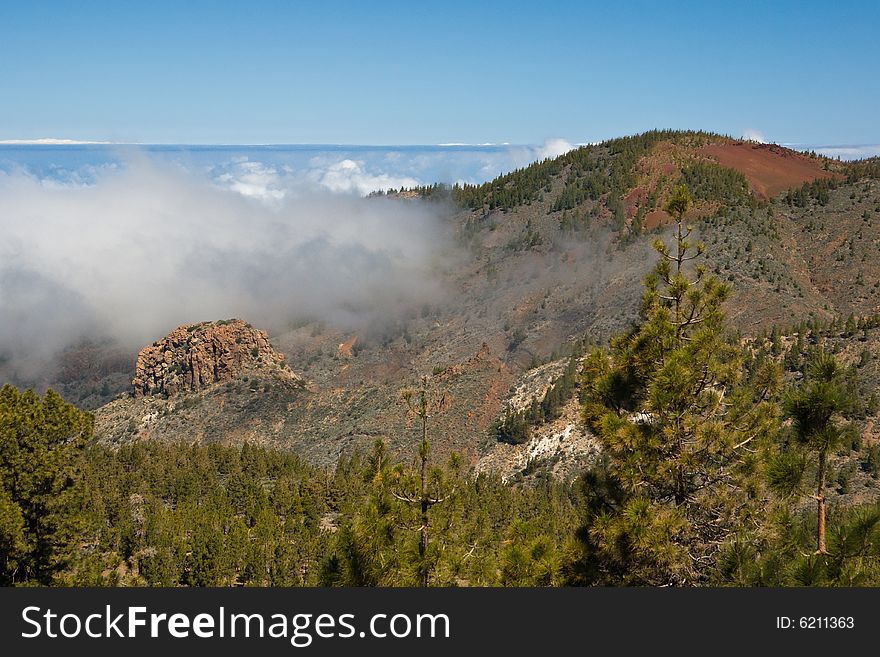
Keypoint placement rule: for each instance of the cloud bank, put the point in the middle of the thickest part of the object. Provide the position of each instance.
(151, 246)
(858, 152)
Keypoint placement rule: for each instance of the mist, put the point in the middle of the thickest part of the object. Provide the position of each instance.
(150, 246)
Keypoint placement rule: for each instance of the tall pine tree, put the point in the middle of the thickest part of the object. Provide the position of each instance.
(816, 410)
(679, 427)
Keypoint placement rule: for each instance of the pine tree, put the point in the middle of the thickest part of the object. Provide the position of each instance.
(679, 426)
(367, 551)
(416, 489)
(40, 442)
(816, 410)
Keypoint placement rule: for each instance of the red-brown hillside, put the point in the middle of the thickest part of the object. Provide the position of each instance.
(770, 169)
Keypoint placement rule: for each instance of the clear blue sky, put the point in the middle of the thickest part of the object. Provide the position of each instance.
(415, 73)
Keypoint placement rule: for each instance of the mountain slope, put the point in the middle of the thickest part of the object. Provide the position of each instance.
(549, 256)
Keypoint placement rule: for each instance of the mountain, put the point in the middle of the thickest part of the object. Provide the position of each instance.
(549, 258)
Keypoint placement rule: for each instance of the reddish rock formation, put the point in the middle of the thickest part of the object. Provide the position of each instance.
(194, 356)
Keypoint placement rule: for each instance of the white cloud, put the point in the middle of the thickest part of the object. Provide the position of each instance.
(350, 176)
(255, 180)
(272, 184)
(751, 134)
(553, 147)
(521, 156)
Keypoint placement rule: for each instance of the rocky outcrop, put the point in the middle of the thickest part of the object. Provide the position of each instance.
(195, 356)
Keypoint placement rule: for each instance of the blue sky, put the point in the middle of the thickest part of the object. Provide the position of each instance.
(428, 73)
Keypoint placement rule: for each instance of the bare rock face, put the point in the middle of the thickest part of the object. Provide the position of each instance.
(195, 356)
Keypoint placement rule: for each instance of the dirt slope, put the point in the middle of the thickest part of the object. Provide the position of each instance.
(770, 169)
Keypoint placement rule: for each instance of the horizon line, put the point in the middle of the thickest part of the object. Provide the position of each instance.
(85, 142)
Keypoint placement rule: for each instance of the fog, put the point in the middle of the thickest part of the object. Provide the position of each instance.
(150, 246)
